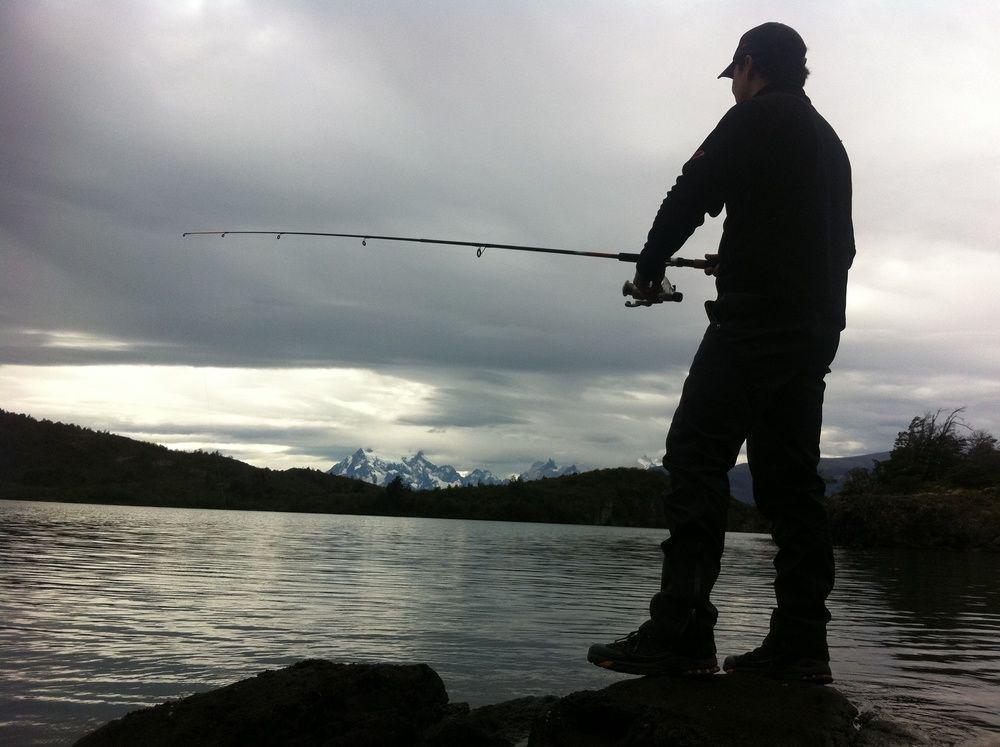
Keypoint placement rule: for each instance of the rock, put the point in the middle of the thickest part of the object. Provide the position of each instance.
(498, 725)
(879, 731)
(318, 702)
(723, 709)
(314, 702)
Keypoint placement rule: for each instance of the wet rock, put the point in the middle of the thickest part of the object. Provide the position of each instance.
(876, 730)
(314, 702)
(723, 709)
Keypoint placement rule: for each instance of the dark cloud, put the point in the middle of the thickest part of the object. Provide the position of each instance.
(479, 402)
(602, 439)
(126, 125)
(464, 419)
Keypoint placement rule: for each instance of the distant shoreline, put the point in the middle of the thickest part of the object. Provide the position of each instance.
(752, 527)
(57, 462)
(969, 523)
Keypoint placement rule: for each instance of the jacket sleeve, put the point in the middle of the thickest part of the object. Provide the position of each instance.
(705, 181)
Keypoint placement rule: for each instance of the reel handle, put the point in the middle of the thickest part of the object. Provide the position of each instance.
(669, 294)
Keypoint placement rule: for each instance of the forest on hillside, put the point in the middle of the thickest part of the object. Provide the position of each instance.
(42, 460)
(940, 486)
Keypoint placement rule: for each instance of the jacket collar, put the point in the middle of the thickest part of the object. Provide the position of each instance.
(778, 88)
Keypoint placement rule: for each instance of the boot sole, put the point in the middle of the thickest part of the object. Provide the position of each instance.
(665, 667)
(785, 674)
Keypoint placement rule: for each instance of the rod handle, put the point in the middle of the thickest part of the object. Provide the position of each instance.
(699, 264)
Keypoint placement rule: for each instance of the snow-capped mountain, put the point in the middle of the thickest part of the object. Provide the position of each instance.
(417, 471)
(482, 477)
(647, 462)
(420, 473)
(365, 464)
(425, 475)
(538, 470)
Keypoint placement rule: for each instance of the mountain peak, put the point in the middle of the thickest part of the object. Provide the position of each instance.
(541, 470)
(420, 473)
(417, 471)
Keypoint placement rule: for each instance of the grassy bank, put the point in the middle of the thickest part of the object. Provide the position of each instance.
(940, 487)
(959, 518)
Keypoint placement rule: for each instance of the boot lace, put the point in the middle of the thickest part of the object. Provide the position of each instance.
(632, 641)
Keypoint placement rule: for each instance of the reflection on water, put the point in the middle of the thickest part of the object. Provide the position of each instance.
(104, 609)
(920, 630)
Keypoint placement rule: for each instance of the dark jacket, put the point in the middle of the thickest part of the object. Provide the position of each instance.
(784, 178)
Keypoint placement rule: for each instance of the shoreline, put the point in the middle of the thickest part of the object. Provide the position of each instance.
(887, 532)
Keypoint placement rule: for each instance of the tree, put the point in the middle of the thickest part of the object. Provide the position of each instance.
(397, 487)
(858, 480)
(398, 495)
(981, 462)
(933, 452)
(930, 450)
(980, 443)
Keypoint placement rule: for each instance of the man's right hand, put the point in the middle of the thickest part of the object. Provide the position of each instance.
(713, 264)
(645, 288)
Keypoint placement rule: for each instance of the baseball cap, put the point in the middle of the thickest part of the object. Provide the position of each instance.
(772, 39)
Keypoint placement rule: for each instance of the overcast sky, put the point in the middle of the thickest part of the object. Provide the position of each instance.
(544, 123)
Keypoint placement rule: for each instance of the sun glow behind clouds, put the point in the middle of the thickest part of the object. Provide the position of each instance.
(70, 339)
(188, 408)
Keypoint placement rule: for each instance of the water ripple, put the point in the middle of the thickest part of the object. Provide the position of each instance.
(106, 609)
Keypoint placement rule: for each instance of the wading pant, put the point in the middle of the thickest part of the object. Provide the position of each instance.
(756, 380)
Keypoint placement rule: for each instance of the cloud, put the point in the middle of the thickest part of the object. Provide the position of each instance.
(552, 124)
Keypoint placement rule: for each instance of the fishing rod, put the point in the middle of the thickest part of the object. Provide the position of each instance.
(668, 291)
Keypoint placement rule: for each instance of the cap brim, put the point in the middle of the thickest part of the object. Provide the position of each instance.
(728, 72)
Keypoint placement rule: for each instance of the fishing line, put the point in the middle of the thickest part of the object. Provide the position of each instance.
(666, 293)
(209, 420)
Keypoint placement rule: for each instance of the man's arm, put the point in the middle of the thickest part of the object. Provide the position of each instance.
(705, 181)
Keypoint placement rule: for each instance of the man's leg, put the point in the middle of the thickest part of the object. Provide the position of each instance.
(783, 451)
(704, 439)
(705, 436)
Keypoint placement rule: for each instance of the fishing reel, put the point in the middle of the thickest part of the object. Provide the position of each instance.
(668, 293)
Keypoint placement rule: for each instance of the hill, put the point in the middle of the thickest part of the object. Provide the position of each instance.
(834, 470)
(42, 460)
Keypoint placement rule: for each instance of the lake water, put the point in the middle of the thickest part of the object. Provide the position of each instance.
(105, 609)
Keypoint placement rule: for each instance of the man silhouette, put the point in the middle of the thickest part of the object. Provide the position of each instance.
(784, 178)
